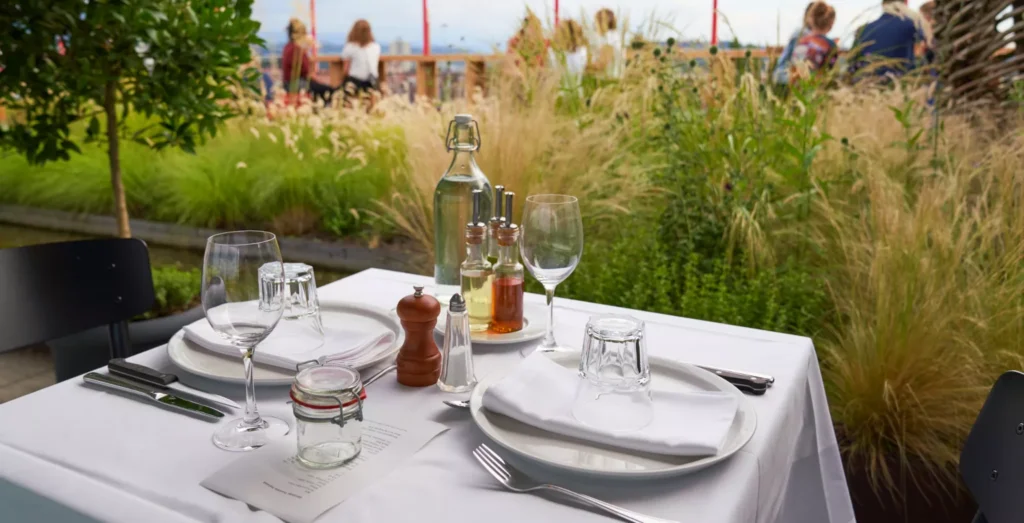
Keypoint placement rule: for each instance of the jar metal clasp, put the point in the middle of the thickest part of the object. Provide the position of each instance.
(339, 420)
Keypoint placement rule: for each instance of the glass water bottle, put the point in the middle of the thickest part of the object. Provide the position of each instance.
(507, 296)
(453, 199)
(476, 271)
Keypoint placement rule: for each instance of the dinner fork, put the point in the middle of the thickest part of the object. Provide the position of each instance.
(516, 481)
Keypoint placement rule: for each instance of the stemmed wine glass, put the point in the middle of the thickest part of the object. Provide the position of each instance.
(231, 301)
(551, 242)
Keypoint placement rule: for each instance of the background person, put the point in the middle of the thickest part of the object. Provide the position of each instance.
(816, 49)
(295, 61)
(611, 53)
(890, 40)
(362, 60)
(570, 49)
(781, 73)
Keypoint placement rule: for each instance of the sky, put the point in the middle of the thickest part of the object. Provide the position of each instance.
(482, 24)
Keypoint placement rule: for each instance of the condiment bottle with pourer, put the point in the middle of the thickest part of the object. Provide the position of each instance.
(419, 361)
(457, 356)
(494, 223)
(507, 294)
(453, 200)
(476, 271)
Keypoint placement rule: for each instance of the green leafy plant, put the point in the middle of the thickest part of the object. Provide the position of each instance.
(69, 60)
(176, 290)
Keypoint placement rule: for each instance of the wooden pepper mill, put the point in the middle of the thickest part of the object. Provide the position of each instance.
(419, 361)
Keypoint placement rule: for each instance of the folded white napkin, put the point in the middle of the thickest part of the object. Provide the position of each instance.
(289, 344)
(540, 392)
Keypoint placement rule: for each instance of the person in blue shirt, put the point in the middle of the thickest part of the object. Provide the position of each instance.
(886, 45)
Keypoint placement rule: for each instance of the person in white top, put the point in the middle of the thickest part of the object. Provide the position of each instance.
(570, 52)
(362, 57)
(611, 55)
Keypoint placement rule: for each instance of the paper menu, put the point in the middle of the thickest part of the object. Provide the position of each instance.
(271, 479)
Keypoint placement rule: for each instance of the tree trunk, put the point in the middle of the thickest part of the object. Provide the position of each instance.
(114, 154)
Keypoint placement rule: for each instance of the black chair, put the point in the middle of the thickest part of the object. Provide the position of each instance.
(52, 290)
(992, 460)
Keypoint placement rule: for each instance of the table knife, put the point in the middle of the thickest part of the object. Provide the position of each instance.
(756, 384)
(169, 382)
(154, 395)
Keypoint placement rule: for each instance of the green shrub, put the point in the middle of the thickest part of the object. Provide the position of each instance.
(176, 290)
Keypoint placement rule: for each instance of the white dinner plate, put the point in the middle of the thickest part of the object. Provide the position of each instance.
(533, 328)
(593, 459)
(191, 357)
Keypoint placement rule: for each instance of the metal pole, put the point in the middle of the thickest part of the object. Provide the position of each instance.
(714, 23)
(312, 32)
(426, 30)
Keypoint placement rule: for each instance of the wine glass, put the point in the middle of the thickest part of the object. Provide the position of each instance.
(231, 301)
(551, 242)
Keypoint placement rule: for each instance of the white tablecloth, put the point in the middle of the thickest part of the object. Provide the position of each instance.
(112, 458)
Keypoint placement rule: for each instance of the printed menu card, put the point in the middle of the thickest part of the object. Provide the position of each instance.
(271, 478)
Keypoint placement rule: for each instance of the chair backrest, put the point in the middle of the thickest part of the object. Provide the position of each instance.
(56, 289)
(992, 460)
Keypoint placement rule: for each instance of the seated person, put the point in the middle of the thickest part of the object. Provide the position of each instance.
(816, 49)
(362, 59)
(890, 41)
(781, 73)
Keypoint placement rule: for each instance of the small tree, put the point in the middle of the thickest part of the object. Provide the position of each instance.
(173, 61)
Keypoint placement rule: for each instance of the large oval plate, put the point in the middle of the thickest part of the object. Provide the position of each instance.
(593, 459)
(192, 358)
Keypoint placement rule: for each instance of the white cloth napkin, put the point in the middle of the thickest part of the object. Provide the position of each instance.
(289, 344)
(540, 392)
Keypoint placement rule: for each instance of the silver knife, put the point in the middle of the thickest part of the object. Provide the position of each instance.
(164, 380)
(154, 395)
(758, 383)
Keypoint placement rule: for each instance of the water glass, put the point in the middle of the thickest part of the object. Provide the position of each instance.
(297, 293)
(614, 390)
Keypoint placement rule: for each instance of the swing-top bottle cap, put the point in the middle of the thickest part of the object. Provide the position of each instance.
(463, 119)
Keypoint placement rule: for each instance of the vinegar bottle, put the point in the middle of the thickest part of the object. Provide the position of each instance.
(476, 272)
(507, 296)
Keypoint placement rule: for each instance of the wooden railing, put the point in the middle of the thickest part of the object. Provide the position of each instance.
(426, 69)
(476, 66)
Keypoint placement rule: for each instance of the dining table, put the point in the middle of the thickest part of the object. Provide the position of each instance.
(71, 452)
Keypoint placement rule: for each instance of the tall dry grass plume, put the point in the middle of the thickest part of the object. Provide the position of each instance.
(924, 250)
(529, 144)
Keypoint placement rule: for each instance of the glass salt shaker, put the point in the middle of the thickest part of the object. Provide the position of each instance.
(327, 401)
(457, 355)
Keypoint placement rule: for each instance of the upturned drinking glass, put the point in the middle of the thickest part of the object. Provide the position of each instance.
(614, 389)
(551, 244)
(301, 304)
(231, 301)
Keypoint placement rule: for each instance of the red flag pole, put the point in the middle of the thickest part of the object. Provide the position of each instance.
(426, 30)
(556, 13)
(312, 26)
(714, 23)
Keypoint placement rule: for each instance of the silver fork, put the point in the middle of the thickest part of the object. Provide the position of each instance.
(516, 481)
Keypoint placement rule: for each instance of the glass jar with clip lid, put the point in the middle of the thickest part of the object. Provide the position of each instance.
(327, 400)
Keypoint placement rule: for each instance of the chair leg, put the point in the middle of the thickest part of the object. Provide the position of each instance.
(120, 340)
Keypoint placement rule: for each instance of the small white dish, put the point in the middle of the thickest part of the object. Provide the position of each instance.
(533, 328)
(194, 359)
(596, 460)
